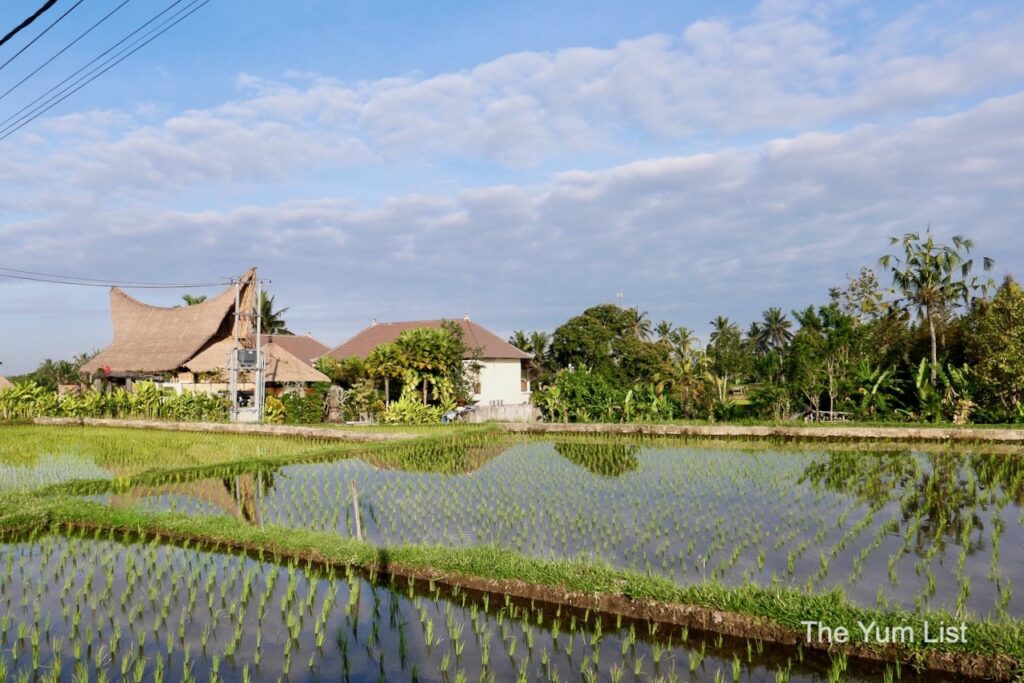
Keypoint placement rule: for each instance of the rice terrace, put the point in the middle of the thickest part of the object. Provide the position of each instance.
(511, 342)
(486, 555)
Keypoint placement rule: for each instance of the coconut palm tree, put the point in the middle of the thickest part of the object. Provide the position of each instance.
(272, 321)
(520, 340)
(539, 342)
(775, 332)
(721, 325)
(931, 277)
(664, 331)
(192, 300)
(682, 340)
(639, 323)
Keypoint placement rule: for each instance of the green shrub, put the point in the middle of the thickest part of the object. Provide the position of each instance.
(304, 408)
(406, 411)
(273, 410)
(28, 399)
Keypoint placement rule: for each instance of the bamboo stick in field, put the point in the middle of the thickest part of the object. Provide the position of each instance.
(355, 507)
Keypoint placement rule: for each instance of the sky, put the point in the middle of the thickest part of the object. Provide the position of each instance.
(517, 161)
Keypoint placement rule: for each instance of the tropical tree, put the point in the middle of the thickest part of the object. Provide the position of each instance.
(192, 300)
(430, 356)
(995, 347)
(727, 358)
(588, 339)
(774, 332)
(520, 340)
(720, 326)
(385, 362)
(272, 320)
(931, 278)
(683, 343)
(538, 346)
(664, 332)
(639, 323)
(862, 298)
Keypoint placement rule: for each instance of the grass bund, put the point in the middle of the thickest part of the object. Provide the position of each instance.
(749, 540)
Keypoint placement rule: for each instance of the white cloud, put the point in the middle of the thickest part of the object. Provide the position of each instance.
(732, 232)
(841, 147)
(785, 67)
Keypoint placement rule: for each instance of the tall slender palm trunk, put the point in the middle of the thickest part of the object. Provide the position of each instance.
(935, 350)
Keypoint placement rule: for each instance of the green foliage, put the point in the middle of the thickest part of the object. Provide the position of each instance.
(932, 279)
(995, 348)
(411, 411)
(273, 410)
(584, 396)
(304, 407)
(362, 402)
(876, 389)
(610, 341)
(272, 321)
(346, 372)
(579, 396)
(947, 397)
(50, 373)
(28, 399)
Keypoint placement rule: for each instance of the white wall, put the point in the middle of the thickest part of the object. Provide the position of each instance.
(500, 383)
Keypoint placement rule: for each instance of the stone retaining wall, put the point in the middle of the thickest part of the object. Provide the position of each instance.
(232, 428)
(916, 434)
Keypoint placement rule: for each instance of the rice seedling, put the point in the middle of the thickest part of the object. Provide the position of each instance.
(739, 516)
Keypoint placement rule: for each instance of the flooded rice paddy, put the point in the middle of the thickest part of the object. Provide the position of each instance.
(106, 609)
(33, 457)
(916, 529)
(906, 528)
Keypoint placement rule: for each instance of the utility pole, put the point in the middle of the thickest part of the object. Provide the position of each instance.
(254, 361)
(260, 388)
(233, 358)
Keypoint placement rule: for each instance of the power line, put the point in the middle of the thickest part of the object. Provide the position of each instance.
(89, 279)
(83, 68)
(63, 49)
(38, 13)
(43, 33)
(32, 276)
(167, 24)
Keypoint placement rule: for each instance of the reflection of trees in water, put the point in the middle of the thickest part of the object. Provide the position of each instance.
(871, 477)
(604, 459)
(943, 492)
(1001, 471)
(454, 457)
(236, 495)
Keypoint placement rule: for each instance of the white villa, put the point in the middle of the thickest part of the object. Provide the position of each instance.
(502, 378)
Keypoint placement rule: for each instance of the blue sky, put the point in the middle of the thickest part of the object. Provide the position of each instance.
(519, 161)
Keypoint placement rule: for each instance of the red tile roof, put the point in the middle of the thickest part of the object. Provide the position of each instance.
(302, 347)
(476, 337)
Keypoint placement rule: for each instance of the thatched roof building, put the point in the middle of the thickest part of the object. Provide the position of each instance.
(282, 366)
(5, 383)
(154, 340)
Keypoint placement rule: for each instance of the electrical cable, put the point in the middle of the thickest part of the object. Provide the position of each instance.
(41, 34)
(38, 13)
(99, 71)
(91, 282)
(63, 49)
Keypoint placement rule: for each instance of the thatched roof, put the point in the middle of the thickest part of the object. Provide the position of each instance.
(156, 339)
(5, 383)
(476, 337)
(283, 367)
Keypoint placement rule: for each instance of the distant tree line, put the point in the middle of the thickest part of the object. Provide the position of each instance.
(934, 343)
